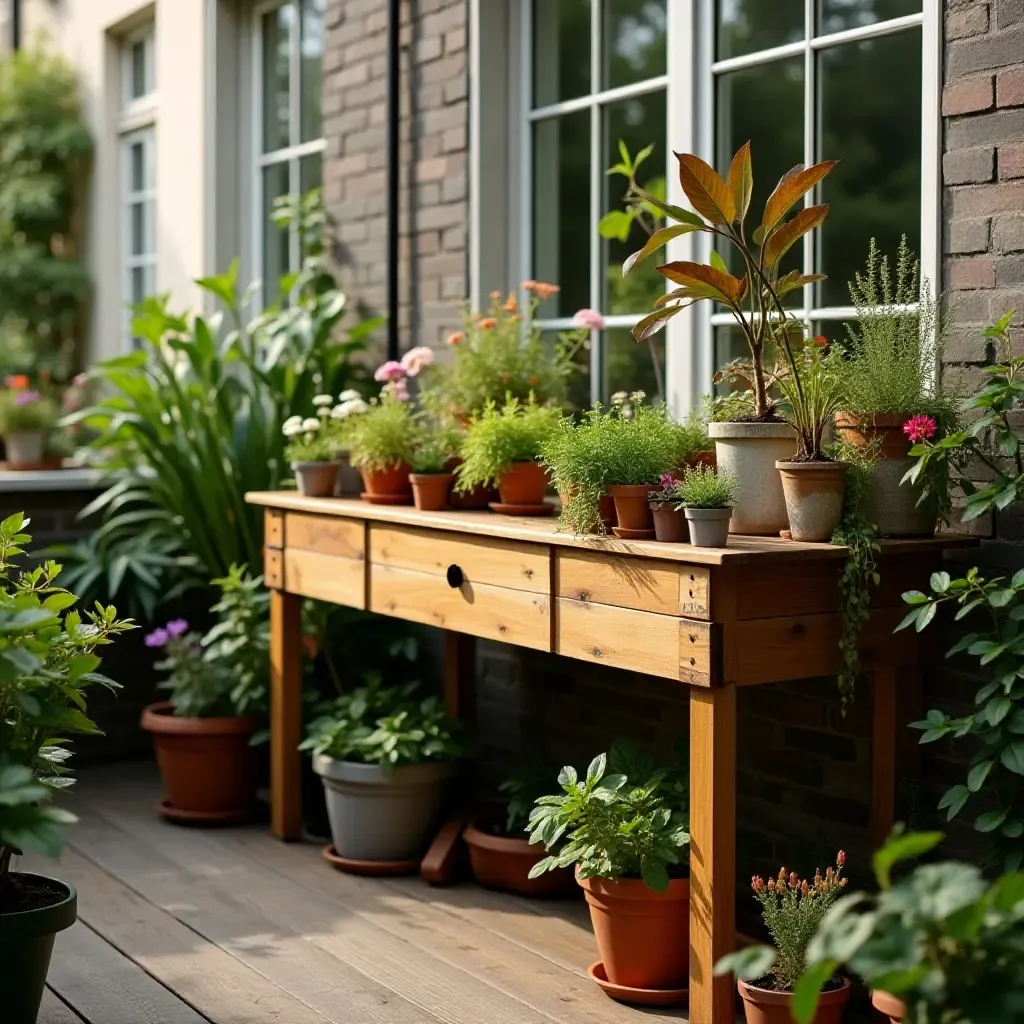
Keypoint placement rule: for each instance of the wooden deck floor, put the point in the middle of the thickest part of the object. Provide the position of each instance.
(181, 926)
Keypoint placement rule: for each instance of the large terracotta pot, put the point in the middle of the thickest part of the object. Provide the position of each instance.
(606, 511)
(523, 483)
(708, 459)
(814, 497)
(889, 1006)
(502, 862)
(209, 771)
(430, 490)
(632, 507)
(643, 936)
(892, 506)
(765, 1006)
(390, 482)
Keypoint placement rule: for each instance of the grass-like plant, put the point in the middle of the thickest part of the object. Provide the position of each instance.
(812, 396)
(498, 437)
(384, 436)
(436, 447)
(704, 487)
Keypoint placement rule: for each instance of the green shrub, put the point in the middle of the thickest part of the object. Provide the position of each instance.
(384, 436)
(436, 448)
(26, 409)
(704, 487)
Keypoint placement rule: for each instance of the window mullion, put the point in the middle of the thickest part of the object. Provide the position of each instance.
(810, 136)
(597, 360)
(295, 127)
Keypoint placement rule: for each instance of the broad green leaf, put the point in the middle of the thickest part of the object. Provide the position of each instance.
(657, 241)
(1012, 757)
(808, 990)
(900, 848)
(978, 774)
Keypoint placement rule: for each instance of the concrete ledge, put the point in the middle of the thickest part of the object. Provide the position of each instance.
(76, 479)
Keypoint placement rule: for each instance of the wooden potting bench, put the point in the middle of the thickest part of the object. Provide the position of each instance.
(762, 610)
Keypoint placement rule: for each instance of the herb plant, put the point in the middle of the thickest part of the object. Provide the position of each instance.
(692, 437)
(667, 491)
(384, 436)
(519, 793)
(26, 409)
(812, 395)
(436, 449)
(704, 487)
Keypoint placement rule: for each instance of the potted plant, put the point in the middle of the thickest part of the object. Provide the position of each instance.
(350, 403)
(49, 663)
(812, 482)
(431, 462)
(384, 755)
(694, 446)
(627, 836)
(218, 686)
(747, 449)
(669, 516)
(311, 449)
(707, 496)
(502, 448)
(26, 419)
(793, 910)
(381, 442)
(500, 855)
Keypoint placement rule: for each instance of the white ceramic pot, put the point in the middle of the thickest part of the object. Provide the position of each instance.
(709, 527)
(749, 452)
(25, 447)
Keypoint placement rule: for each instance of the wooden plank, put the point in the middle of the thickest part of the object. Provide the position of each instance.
(460, 675)
(501, 564)
(327, 535)
(273, 528)
(273, 568)
(53, 1011)
(495, 613)
(325, 577)
(807, 588)
(643, 584)
(883, 756)
(712, 851)
(285, 714)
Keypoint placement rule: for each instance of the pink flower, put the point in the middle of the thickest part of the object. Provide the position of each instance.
(26, 398)
(920, 428)
(455, 338)
(158, 638)
(667, 481)
(176, 627)
(391, 370)
(589, 320)
(416, 358)
(398, 388)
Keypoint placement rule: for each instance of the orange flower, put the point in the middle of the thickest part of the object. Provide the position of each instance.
(510, 303)
(545, 291)
(456, 338)
(495, 296)
(532, 380)
(17, 380)
(528, 285)
(488, 323)
(820, 340)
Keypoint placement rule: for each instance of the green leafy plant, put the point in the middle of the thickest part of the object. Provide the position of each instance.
(384, 435)
(518, 794)
(812, 395)
(26, 409)
(436, 449)
(498, 437)
(313, 438)
(48, 663)
(612, 827)
(704, 487)
(692, 435)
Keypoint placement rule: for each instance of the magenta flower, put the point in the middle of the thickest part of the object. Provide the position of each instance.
(391, 370)
(176, 627)
(26, 398)
(589, 320)
(920, 428)
(667, 481)
(158, 638)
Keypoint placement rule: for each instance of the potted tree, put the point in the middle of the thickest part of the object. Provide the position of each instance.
(627, 837)
(49, 663)
(749, 449)
(311, 449)
(502, 448)
(26, 419)
(432, 476)
(381, 442)
(218, 687)
(707, 496)
(384, 755)
(669, 515)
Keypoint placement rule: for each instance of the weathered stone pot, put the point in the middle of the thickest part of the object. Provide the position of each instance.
(349, 482)
(315, 479)
(709, 527)
(814, 497)
(25, 448)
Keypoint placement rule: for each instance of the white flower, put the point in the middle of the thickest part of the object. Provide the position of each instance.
(351, 407)
(619, 397)
(311, 424)
(350, 395)
(322, 400)
(292, 427)
(293, 421)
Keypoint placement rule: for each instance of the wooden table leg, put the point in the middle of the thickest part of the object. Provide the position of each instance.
(895, 752)
(459, 674)
(712, 851)
(285, 714)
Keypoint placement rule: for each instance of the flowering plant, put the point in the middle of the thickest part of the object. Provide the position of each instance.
(26, 409)
(382, 435)
(311, 438)
(920, 428)
(667, 490)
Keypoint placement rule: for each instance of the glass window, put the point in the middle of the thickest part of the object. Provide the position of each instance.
(561, 50)
(138, 68)
(138, 219)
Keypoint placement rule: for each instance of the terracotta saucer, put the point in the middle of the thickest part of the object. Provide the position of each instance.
(165, 810)
(543, 509)
(386, 499)
(625, 534)
(369, 867)
(637, 996)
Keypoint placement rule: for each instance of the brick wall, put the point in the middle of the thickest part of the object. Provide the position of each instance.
(435, 118)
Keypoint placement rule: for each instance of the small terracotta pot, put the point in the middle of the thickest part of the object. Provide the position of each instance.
(430, 490)
(814, 497)
(669, 522)
(316, 479)
(606, 511)
(389, 482)
(886, 427)
(632, 506)
(889, 1006)
(501, 862)
(643, 936)
(765, 1006)
(523, 483)
(207, 766)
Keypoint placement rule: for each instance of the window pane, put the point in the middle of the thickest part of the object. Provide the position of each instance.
(311, 69)
(275, 241)
(631, 366)
(634, 41)
(561, 210)
(139, 86)
(310, 172)
(744, 26)
(638, 122)
(561, 50)
(137, 231)
(138, 285)
(277, 37)
(579, 382)
(837, 15)
(729, 344)
(138, 166)
(875, 191)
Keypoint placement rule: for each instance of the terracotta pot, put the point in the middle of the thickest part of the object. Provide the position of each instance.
(391, 482)
(643, 936)
(523, 483)
(669, 522)
(814, 497)
(708, 458)
(478, 498)
(889, 1006)
(891, 505)
(606, 511)
(430, 490)
(316, 479)
(765, 1006)
(632, 506)
(501, 862)
(207, 766)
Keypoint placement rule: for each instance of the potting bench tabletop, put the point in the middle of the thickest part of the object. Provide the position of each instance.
(761, 610)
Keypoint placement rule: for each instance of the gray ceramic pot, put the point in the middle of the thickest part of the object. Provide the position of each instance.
(709, 527)
(382, 813)
(315, 479)
(349, 483)
(25, 447)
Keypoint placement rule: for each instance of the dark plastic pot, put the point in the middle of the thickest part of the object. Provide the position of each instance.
(669, 523)
(316, 479)
(26, 944)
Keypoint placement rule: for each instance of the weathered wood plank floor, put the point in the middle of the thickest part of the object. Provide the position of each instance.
(181, 926)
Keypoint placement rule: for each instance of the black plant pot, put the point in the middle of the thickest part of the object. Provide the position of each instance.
(26, 942)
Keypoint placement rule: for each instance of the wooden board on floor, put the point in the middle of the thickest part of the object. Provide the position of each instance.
(53, 1011)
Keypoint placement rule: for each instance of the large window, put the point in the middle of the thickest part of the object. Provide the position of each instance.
(289, 125)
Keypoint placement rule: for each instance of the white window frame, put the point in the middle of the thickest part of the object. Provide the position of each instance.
(293, 153)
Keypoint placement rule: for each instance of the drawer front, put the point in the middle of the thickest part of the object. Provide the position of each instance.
(658, 645)
(519, 617)
(483, 560)
(325, 577)
(327, 535)
(645, 584)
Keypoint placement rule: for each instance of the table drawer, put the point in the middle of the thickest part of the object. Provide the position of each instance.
(521, 617)
(670, 588)
(327, 535)
(498, 563)
(325, 577)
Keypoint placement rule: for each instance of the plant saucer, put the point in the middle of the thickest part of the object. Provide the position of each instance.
(377, 868)
(624, 533)
(542, 509)
(386, 499)
(637, 996)
(179, 817)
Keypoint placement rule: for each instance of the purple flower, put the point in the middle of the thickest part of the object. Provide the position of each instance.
(26, 398)
(176, 627)
(158, 638)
